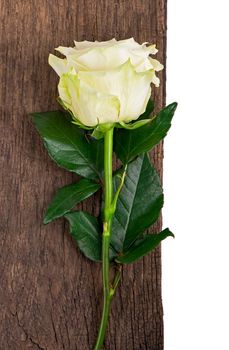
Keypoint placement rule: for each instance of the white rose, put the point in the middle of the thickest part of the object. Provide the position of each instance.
(106, 82)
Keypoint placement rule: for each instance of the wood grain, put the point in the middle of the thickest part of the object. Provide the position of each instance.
(50, 295)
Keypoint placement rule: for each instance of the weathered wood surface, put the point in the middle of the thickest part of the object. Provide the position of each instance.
(50, 295)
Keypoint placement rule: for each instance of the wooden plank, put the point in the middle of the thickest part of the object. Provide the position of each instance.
(50, 296)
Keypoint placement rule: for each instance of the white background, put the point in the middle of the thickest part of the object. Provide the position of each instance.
(196, 177)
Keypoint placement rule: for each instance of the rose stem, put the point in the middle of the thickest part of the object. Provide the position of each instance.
(109, 208)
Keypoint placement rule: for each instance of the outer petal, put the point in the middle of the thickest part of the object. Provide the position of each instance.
(152, 50)
(59, 65)
(99, 58)
(128, 43)
(82, 45)
(64, 93)
(87, 105)
(132, 89)
(66, 50)
(106, 55)
(141, 64)
(156, 80)
(157, 66)
(140, 57)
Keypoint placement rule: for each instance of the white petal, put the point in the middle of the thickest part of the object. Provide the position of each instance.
(59, 65)
(100, 58)
(157, 66)
(66, 50)
(87, 105)
(131, 88)
(106, 55)
(142, 65)
(152, 50)
(82, 45)
(129, 43)
(64, 93)
(156, 80)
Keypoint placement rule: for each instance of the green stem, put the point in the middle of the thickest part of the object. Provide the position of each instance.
(108, 292)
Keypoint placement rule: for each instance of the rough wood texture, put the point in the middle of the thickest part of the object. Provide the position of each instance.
(50, 295)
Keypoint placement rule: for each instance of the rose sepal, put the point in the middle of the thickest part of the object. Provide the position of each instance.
(98, 132)
(135, 125)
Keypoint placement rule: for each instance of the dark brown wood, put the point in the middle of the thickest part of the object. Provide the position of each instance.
(50, 295)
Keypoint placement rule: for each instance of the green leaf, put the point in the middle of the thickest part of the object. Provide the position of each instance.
(66, 143)
(85, 230)
(68, 196)
(143, 246)
(138, 205)
(148, 111)
(131, 143)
